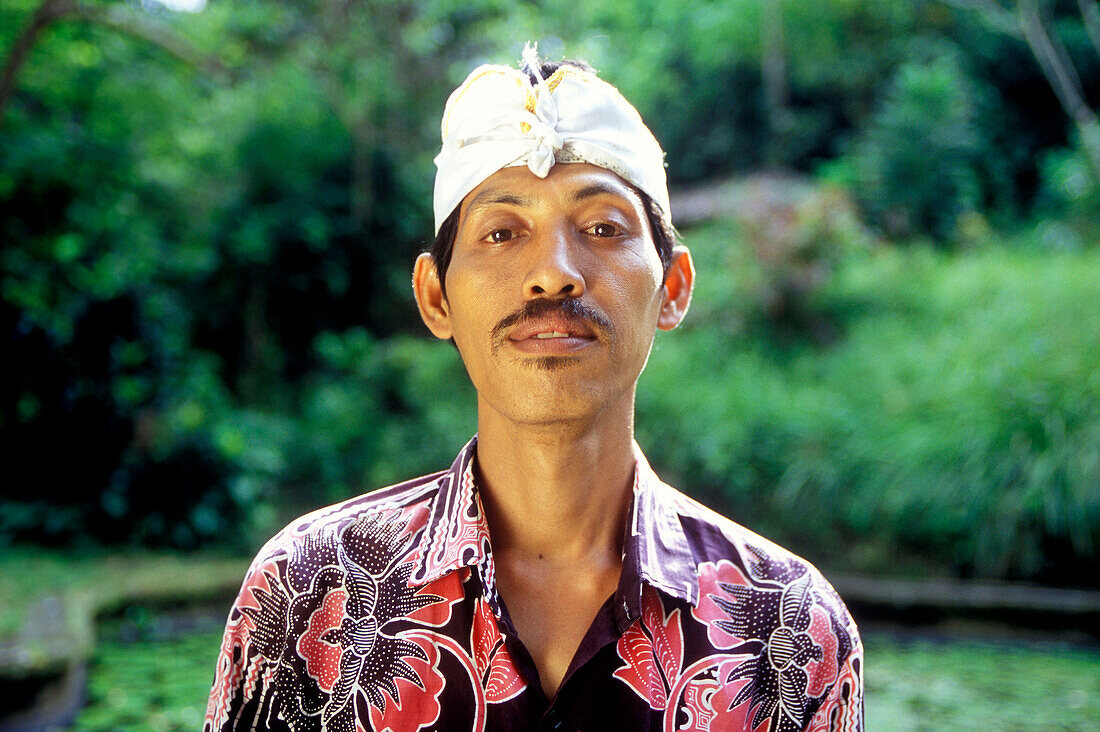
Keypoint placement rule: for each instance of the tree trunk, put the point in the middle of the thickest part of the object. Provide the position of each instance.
(1058, 69)
(773, 66)
(118, 18)
(1090, 13)
(1063, 79)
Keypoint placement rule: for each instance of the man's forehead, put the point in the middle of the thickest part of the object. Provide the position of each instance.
(517, 186)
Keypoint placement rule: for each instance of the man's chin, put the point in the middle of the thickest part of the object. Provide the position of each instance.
(550, 363)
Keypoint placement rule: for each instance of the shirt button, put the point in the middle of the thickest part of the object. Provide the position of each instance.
(553, 721)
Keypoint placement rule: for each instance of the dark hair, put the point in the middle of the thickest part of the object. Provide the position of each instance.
(547, 68)
(664, 236)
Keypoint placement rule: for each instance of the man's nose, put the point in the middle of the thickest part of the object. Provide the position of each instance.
(554, 266)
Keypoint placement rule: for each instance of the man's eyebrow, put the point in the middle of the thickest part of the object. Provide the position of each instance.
(599, 189)
(491, 198)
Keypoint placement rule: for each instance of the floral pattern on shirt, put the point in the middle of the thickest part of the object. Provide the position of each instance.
(785, 622)
(497, 673)
(342, 602)
(382, 613)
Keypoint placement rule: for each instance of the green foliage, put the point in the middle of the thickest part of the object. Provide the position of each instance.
(1071, 193)
(204, 301)
(954, 427)
(180, 245)
(797, 236)
(379, 412)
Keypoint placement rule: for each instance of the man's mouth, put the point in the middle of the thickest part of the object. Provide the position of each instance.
(552, 326)
(559, 339)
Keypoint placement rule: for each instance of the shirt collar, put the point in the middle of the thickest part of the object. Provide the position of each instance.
(655, 548)
(457, 534)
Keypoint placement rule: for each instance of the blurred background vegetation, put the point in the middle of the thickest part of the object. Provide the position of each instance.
(892, 364)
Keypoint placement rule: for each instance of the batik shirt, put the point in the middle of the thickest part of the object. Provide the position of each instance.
(382, 613)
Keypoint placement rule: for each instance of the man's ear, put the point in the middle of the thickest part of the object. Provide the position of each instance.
(433, 306)
(679, 281)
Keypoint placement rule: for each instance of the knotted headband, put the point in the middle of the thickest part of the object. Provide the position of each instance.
(497, 118)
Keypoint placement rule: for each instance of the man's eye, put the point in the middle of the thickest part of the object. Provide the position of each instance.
(603, 230)
(499, 235)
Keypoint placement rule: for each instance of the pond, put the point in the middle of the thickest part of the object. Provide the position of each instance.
(152, 672)
(935, 684)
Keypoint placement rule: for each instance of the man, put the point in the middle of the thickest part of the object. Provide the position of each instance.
(548, 579)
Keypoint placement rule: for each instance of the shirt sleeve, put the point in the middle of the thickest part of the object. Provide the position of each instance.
(842, 710)
(252, 643)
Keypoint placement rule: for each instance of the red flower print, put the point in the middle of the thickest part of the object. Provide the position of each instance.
(260, 627)
(821, 672)
(728, 712)
(701, 701)
(796, 647)
(350, 658)
(444, 593)
(842, 709)
(230, 666)
(721, 587)
(322, 657)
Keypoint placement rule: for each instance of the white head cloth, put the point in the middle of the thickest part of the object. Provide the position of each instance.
(497, 119)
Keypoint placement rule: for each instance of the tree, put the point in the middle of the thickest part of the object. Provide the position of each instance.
(1026, 20)
(120, 17)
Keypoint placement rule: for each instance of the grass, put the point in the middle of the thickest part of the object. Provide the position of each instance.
(147, 681)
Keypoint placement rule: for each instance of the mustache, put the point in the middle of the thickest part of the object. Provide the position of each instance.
(569, 307)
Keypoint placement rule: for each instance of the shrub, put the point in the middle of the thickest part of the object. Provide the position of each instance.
(1071, 192)
(86, 454)
(797, 236)
(378, 412)
(916, 159)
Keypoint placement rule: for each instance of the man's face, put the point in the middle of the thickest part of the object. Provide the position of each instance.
(554, 291)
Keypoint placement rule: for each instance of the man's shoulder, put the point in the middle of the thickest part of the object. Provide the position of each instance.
(750, 591)
(722, 547)
(405, 503)
(715, 536)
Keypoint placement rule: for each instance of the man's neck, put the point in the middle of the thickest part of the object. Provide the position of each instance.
(556, 491)
(556, 498)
